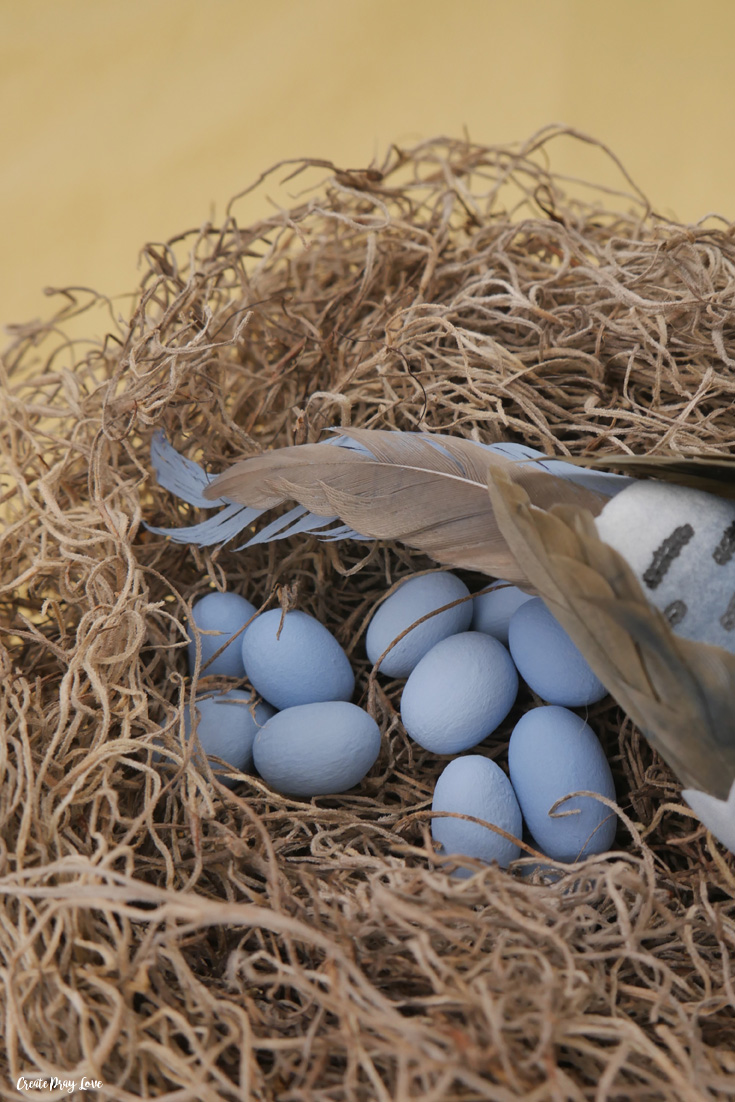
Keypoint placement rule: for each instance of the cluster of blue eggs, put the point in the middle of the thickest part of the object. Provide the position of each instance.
(305, 738)
(462, 669)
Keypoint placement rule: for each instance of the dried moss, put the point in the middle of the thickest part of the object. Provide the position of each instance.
(168, 934)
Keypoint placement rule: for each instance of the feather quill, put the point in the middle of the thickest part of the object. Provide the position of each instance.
(430, 493)
(678, 692)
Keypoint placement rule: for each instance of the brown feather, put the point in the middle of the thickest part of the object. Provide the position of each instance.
(678, 692)
(407, 489)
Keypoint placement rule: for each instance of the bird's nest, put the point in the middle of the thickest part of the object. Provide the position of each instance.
(161, 933)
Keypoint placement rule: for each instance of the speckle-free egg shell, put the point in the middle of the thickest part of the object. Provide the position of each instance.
(492, 611)
(475, 785)
(226, 729)
(303, 664)
(415, 598)
(224, 613)
(317, 749)
(553, 752)
(459, 693)
(547, 659)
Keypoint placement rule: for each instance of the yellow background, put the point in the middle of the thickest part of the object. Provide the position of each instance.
(125, 121)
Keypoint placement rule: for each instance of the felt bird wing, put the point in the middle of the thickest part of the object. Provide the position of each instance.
(680, 693)
(670, 686)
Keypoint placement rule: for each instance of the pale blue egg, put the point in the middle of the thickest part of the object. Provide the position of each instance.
(492, 611)
(413, 599)
(554, 752)
(459, 693)
(476, 786)
(226, 728)
(317, 749)
(302, 664)
(224, 613)
(548, 660)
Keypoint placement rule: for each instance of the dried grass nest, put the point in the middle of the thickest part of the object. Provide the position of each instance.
(174, 939)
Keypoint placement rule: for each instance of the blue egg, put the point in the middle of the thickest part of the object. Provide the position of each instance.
(413, 599)
(317, 749)
(459, 693)
(492, 611)
(476, 786)
(301, 665)
(554, 752)
(224, 613)
(226, 728)
(547, 659)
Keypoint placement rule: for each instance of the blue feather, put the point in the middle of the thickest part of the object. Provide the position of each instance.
(187, 480)
(220, 528)
(181, 476)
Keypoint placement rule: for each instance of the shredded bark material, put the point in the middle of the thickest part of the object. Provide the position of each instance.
(173, 938)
